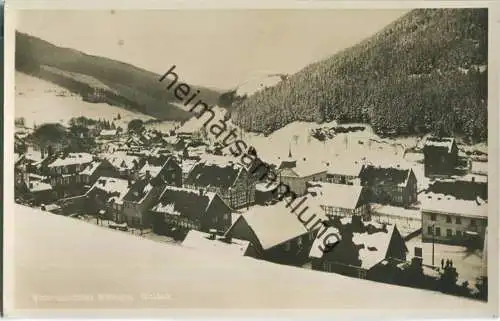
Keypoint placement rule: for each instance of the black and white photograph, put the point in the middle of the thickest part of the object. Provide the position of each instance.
(251, 158)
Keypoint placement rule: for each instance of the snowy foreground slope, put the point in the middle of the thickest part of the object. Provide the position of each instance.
(63, 263)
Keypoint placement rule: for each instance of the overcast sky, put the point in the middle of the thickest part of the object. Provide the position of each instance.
(217, 48)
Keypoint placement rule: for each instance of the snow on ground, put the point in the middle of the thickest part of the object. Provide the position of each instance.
(468, 263)
(296, 136)
(257, 83)
(163, 126)
(65, 263)
(39, 101)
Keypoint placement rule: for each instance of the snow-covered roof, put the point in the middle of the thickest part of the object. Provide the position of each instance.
(38, 186)
(395, 211)
(303, 168)
(72, 159)
(187, 165)
(335, 195)
(345, 167)
(266, 186)
(213, 174)
(446, 142)
(445, 204)
(274, 224)
(91, 168)
(108, 132)
(373, 251)
(200, 241)
(183, 279)
(183, 201)
(153, 170)
(122, 160)
(138, 191)
(375, 246)
(386, 175)
(111, 185)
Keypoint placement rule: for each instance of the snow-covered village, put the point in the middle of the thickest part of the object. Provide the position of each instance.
(344, 199)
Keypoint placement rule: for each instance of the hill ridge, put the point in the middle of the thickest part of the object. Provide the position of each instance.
(132, 87)
(424, 72)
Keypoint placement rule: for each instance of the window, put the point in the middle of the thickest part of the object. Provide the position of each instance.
(438, 231)
(429, 230)
(299, 242)
(449, 232)
(433, 217)
(448, 219)
(459, 234)
(458, 220)
(473, 222)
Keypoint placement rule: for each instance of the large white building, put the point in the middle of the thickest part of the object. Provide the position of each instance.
(451, 220)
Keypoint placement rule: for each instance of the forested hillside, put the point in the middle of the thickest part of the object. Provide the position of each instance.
(99, 79)
(425, 72)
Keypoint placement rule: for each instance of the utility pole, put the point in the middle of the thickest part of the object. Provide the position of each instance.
(433, 233)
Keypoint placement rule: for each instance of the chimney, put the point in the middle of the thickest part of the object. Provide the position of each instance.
(201, 191)
(213, 234)
(129, 183)
(304, 159)
(473, 179)
(148, 175)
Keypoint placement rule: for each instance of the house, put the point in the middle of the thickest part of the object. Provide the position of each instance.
(390, 185)
(355, 248)
(38, 192)
(96, 169)
(140, 197)
(274, 234)
(447, 219)
(211, 243)
(107, 195)
(341, 200)
(64, 172)
(344, 172)
(164, 167)
(295, 174)
(126, 165)
(231, 181)
(181, 209)
(440, 156)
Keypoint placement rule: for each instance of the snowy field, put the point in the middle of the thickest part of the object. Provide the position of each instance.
(65, 263)
(39, 101)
